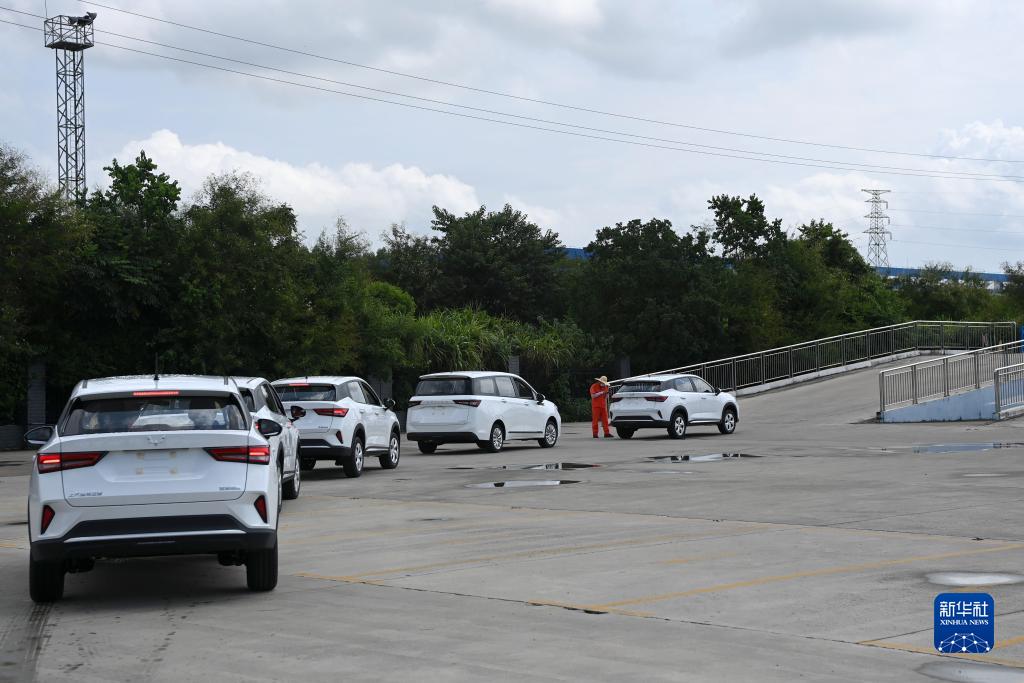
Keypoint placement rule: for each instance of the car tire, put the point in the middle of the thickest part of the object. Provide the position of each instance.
(294, 487)
(353, 464)
(306, 464)
(426, 448)
(550, 435)
(261, 569)
(728, 423)
(45, 580)
(497, 440)
(389, 461)
(624, 432)
(677, 425)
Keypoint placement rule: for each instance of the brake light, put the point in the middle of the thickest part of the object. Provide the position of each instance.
(414, 403)
(467, 402)
(299, 384)
(331, 412)
(55, 462)
(47, 517)
(254, 455)
(261, 507)
(159, 392)
(656, 399)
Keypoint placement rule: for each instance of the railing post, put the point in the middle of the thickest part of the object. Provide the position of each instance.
(942, 338)
(977, 371)
(945, 377)
(791, 362)
(842, 349)
(995, 386)
(913, 382)
(817, 359)
(867, 346)
(763, 378)
(881, 395)
(734, 375)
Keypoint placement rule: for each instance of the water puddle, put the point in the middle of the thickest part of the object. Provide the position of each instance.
(973, 578)
(710, 457)
(519, 484)
(962, 672)
(966, 447)
(544, 466)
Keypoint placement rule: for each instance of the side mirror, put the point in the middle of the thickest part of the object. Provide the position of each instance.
(389, 403)
(717, 391)
(268, 428)
(37, 438)
(540, 398)
(297, 412)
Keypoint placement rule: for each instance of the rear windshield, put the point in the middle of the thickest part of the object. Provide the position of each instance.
(641, 386)
(444, 386)
(308, 392)
(178, 413)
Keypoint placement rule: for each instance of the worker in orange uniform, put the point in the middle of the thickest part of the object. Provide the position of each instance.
(599, 405)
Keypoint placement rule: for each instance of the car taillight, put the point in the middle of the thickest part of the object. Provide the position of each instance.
(414, 403)
(656, 399)
(46, 518)
(331, 412)
(467, 402)
(261, 507)
(254, 455)
(55, 462)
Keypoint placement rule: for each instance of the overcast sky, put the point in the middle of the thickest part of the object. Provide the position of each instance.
(933, 77)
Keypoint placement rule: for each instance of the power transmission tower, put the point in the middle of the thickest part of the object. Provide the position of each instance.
(878, 229)
(70, 37)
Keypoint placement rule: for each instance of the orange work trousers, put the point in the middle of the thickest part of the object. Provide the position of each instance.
(599, 412)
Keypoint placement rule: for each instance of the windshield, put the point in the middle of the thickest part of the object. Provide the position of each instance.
(306, 392)
(641, 386)
(444, 386)
(138, 414)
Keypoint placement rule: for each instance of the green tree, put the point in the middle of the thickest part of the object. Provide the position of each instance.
(741, 227)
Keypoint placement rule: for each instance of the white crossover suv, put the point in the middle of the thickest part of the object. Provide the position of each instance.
(264, 404)
(485, 408)
(343, 421)
(145, 466)
(672, 402)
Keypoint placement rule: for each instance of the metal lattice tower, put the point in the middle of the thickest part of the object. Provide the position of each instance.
(70, 37)
(878, 229)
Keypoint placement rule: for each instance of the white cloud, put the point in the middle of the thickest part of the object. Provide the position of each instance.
(565, 14)
(370, 198)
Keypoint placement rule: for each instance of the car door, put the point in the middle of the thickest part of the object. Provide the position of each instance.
(378, 422)
(690, 398)
(710, 404)
(533, 414)
(510, 405)
(361, 404)
(290, 433)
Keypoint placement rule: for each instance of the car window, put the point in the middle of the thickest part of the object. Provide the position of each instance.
(270, 398)
(643, 387)
(250, 402)
(444, 386)
(356, 392)
(684, 384)
(153, 414)
(505, 387)
(702, 386)
(371, 395)
(485, 386)
(301, 391)
(523, 389)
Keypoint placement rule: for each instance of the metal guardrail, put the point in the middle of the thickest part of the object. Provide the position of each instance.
(1009, 389)
(786, 362)
(941, 377)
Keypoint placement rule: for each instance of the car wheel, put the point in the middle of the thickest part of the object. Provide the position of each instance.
(261, 569)
(728, 423)
(677, 426)
(625, 432)
(353, 464)
(293, 487)
(306, 464)
(390, 460)
(550, 435)
(45, 580)
(426, 447)
(497, 440)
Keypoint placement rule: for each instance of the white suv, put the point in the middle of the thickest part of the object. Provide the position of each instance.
(485, 408)
(672, 402)
(264, 404)
(144, 466)
(342, 420)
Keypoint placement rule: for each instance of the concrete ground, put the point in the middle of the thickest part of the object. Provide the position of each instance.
(813, 559)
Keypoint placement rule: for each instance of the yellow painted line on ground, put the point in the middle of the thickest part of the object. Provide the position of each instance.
(905, 647)
(847, 569)
(549, 552)
(355, 535)
(697, 558)
(7, 544)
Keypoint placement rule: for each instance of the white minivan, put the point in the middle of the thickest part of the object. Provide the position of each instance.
(485, 408)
